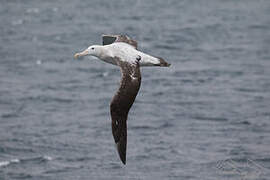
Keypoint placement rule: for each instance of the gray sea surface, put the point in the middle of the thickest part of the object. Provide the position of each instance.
(207, 117)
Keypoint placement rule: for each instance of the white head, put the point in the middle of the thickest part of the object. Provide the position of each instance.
(95, 50)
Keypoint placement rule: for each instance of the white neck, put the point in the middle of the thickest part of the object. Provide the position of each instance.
(106, 55)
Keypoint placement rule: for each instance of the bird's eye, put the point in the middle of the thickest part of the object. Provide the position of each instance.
(92, 48)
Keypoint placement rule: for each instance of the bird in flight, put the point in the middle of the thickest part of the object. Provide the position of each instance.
(120, 50)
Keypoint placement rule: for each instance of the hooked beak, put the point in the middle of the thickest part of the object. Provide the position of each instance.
(80, 54)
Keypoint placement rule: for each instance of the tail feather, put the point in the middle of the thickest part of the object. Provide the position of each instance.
(162, 62)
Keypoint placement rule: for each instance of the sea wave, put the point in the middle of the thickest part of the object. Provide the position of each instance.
(6, 163)
(23, 160)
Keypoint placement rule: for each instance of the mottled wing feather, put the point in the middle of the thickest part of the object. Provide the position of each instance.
(122, 102)
(109, 39)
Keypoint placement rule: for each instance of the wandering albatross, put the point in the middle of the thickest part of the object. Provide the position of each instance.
(122, 51)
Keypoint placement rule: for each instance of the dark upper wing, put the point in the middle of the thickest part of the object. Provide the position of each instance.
(109, 39)
(122, 102)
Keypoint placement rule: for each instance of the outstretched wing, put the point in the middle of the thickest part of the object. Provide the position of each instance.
(109, 39)
(122, 102)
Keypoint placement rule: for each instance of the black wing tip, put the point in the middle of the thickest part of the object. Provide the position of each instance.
(108, 39)
(111, 38)
(123, 161)
(121, 153)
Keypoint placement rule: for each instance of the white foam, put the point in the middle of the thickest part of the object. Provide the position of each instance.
(39, 61)
(14, 160)
(17, 22)
(105, 74)
(55, 9)
(4, 163)
(32, 10)
(48, 158)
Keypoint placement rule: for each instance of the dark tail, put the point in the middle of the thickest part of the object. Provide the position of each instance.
(162, 62)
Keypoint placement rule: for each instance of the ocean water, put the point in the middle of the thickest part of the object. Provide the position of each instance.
(206, 117)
